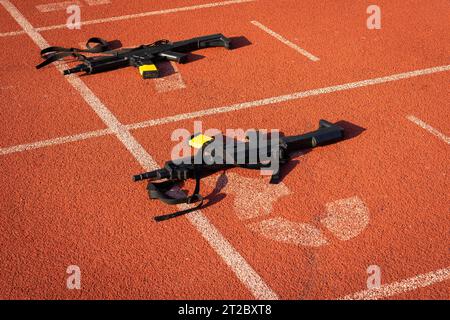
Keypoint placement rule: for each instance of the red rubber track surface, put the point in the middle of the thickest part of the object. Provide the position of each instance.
(74, 203)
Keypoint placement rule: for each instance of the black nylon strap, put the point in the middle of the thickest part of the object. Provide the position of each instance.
(53, 54)
(164, 187)
(59, 56)
(102, 45)
(180, 213)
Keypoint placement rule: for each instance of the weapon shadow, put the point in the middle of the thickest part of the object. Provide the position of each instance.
(239, 42)
(216, 195)
(114, 44)
(165, 68)
(350, 131)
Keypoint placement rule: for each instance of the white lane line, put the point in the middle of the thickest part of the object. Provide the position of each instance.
(92, 100)
(288, 97)
(97, 2)
(242, 269)
(257, 103)
(11, 33)
(55, 141)
(60, 6)
(429, 128)
(232, 258)
(136, 15)
(149, 13)
(388, 290)
(286, 41)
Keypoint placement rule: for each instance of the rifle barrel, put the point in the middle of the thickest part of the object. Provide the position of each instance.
(152, 175)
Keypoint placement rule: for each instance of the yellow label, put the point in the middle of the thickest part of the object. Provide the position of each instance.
(198, 141)
(147, 68)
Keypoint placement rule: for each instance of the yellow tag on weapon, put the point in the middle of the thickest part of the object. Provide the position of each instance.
(198, 141)
(149, 71)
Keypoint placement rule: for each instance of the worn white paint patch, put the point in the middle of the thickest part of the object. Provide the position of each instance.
(254, 197)
(171, 82)
(57, 6)
(283, 230)
(346, 218)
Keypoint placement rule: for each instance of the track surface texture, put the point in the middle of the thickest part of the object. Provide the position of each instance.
(69, 146)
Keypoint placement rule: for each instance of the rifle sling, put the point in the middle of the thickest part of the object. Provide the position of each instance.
(158, 190)
(53, 54)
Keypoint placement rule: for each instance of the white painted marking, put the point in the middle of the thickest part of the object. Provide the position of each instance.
(268, 101)
(233, 259)
(57, 6)
(62, 6)
(26, 26)
(11, 33)
(289, 97)
(171, 82)
(286, 41)
(410, 284)
(216, 240)
(134, 16)
(272, 100)
(92, 100)
(346, 218)
(253, 197)
(283, 230)
(97, 2)
(149, 13)
(429, 128)
(55, 141)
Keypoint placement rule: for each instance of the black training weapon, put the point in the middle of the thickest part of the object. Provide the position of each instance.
(142, 57)
(207, 161)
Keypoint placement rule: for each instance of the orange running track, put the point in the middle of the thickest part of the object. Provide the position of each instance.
(69, 146)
